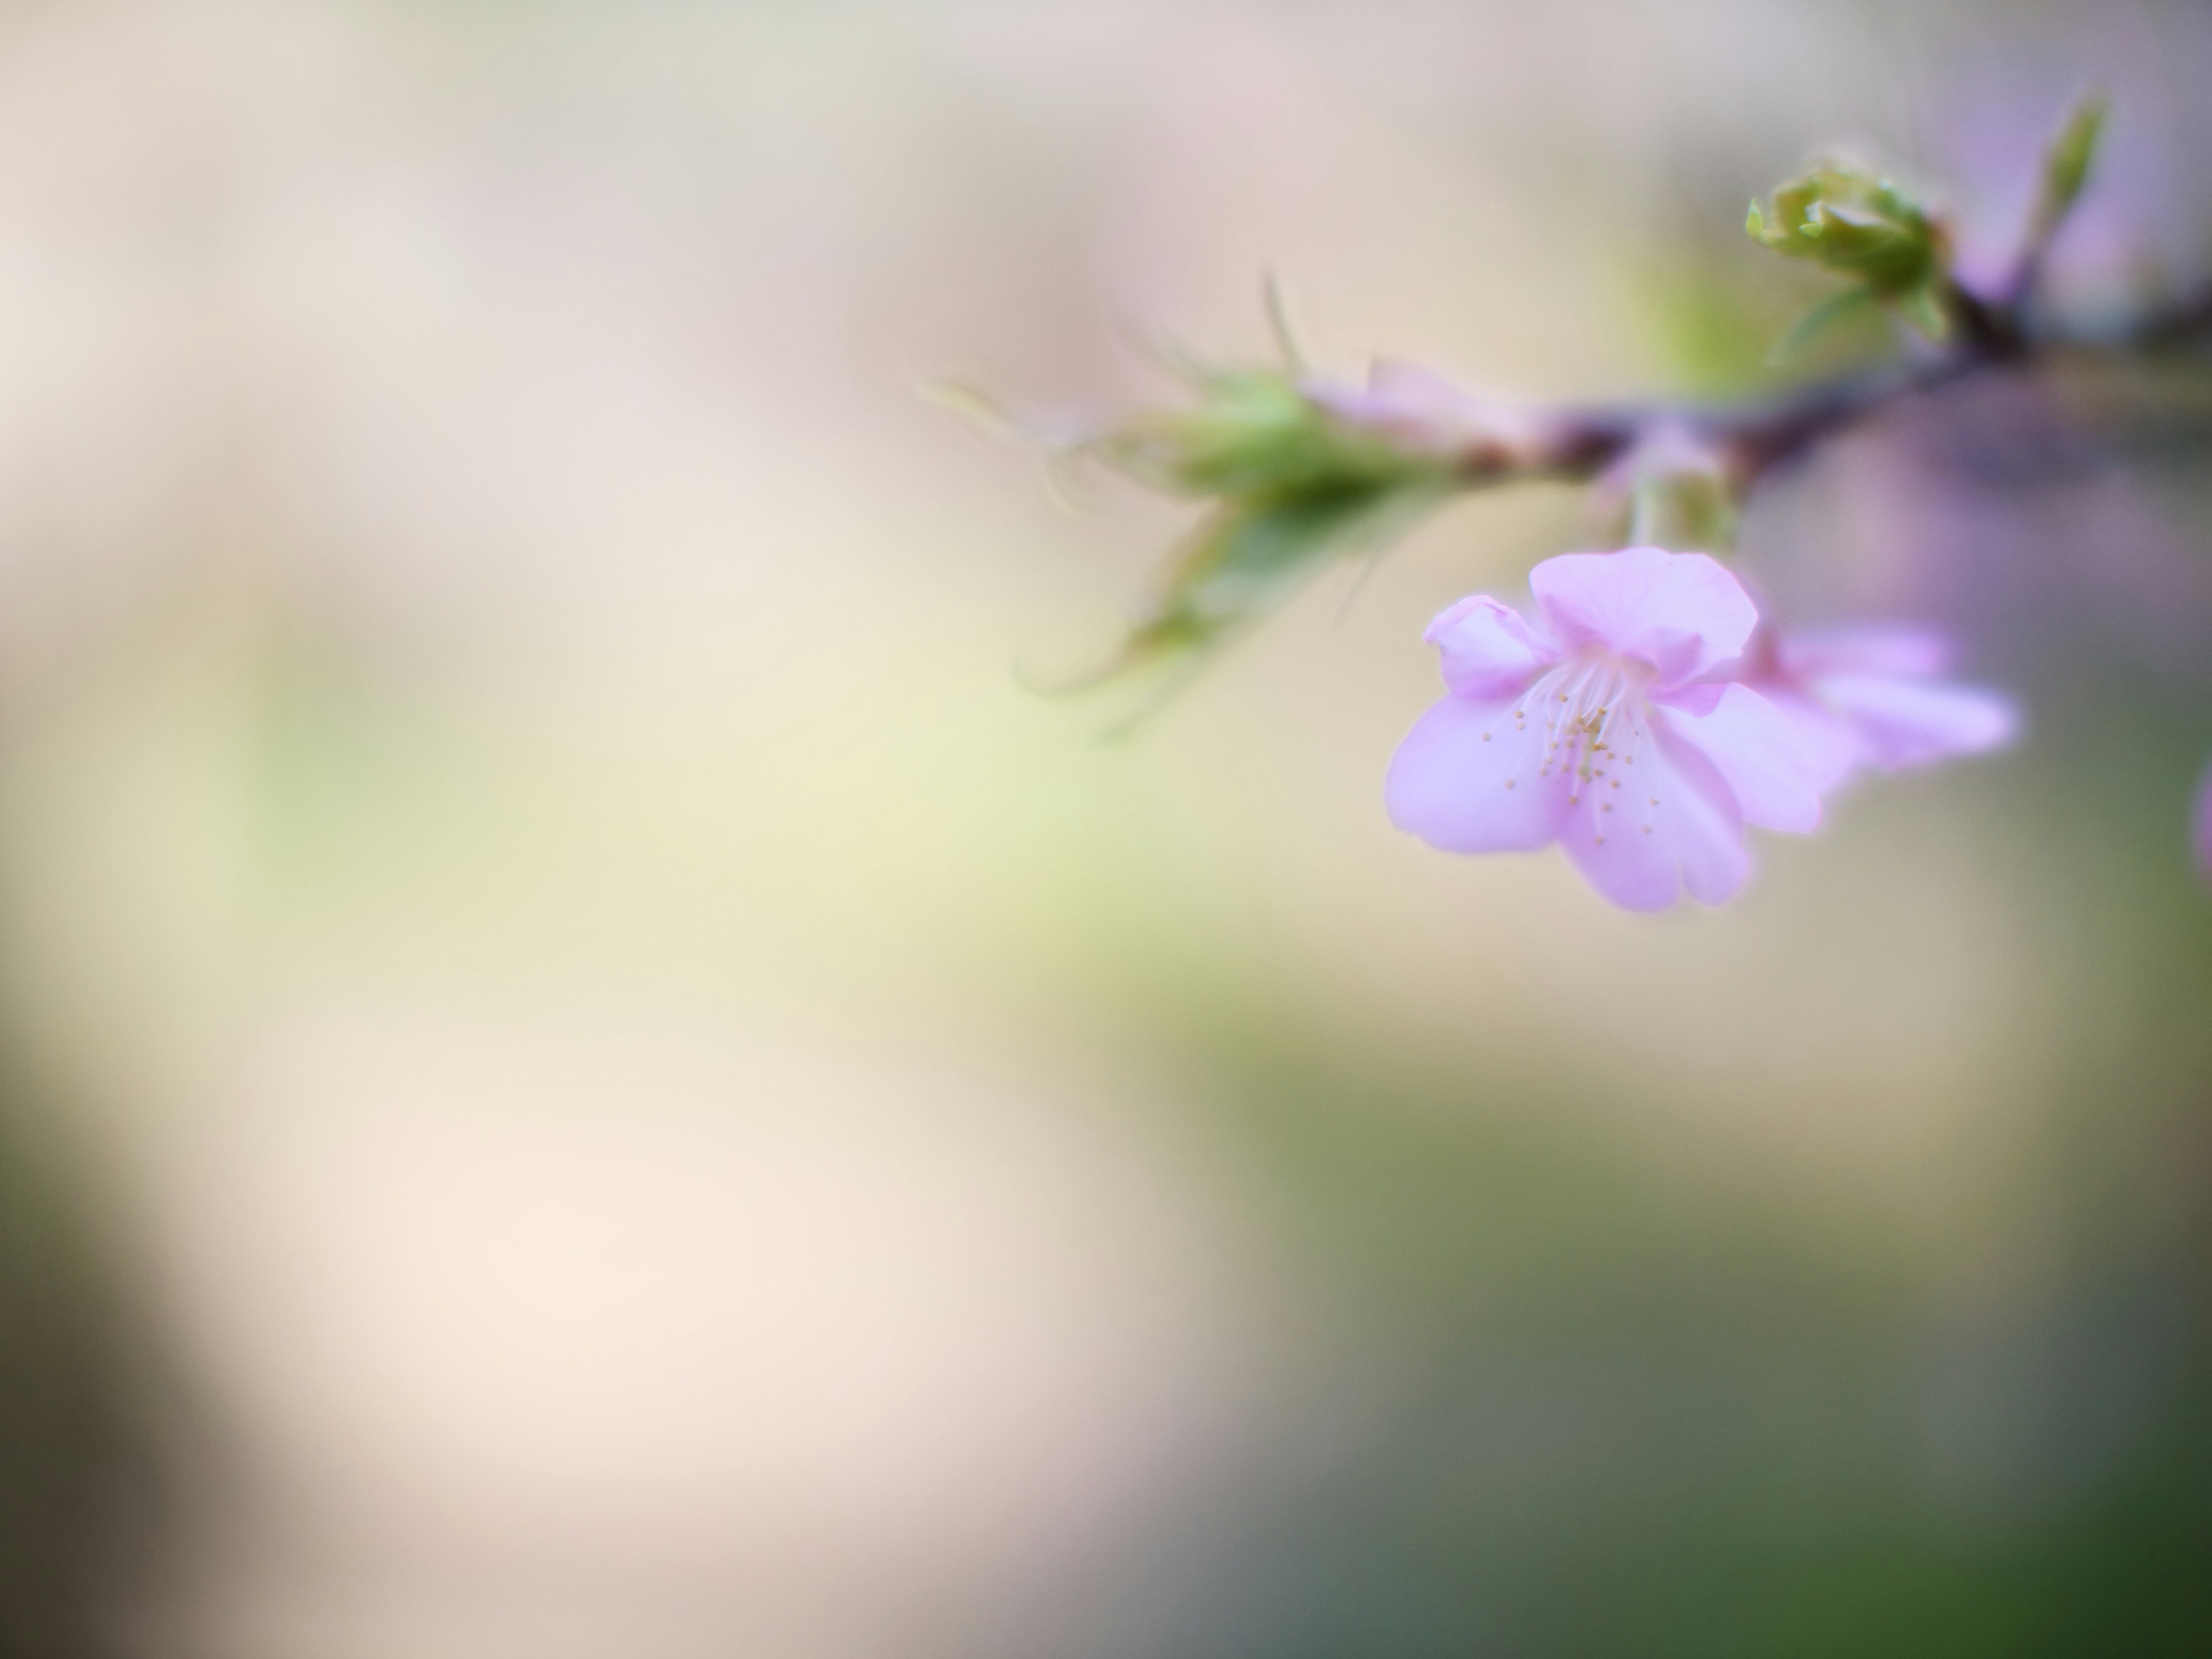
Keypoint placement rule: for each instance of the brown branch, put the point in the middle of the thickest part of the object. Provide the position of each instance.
(1298, 472)
(1578, 443)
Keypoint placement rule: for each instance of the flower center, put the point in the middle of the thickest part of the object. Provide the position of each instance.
(1587, 719)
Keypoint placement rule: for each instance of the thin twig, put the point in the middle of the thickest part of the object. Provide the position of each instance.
(1578, 443)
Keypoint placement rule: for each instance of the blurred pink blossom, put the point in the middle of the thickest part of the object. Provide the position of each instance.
(1598, 726)
(1871, 698)
(2201, 825)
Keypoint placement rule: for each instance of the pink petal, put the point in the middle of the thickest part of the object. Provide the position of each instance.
(1913, 652)
(1904, 723)
(1466, 781)
(1758, 754)
(1489, 649)
(1825, 736)
(1681, 612)
(1673, 827)
(2202, 825)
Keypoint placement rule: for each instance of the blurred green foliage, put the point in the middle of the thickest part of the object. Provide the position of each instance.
(79, 1469)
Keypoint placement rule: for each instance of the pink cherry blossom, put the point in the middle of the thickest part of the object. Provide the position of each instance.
(2201, 825)
(1591, 727)
(1872, 698)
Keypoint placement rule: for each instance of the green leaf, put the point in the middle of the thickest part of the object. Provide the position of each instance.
(1924, 309)
(1850, 221)
(1836, 309)
(2071, 153)
(1246, 559)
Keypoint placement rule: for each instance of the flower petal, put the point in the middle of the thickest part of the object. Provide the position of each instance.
(1489, 649)
(1905, 650)
(1467, 781)
(1673, 827)
(1758, 752)
(1826, 737)
(1906, 723)
(1681, 612)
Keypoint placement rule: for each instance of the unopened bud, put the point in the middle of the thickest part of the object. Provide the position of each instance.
(1674, 490)
(1855, 223)
(1259, 432)
(1423, 415)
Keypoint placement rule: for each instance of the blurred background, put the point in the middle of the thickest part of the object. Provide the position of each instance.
(586, 1075)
